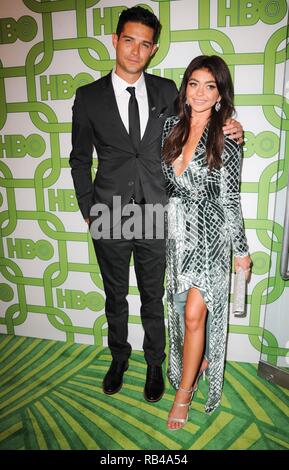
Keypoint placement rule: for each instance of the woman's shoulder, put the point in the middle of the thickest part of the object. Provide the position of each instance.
(170, 122)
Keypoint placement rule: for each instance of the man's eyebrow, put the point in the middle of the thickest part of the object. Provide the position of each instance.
(131, 37)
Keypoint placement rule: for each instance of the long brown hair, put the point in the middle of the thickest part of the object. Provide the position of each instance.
(215, 142)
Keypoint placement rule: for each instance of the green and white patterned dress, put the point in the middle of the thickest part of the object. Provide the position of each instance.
(204, 223)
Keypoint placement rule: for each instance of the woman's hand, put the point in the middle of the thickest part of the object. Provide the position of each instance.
(243, 262)
(234, 130)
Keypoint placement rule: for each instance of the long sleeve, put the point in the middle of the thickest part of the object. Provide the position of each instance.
(168, 125)
(230, 196)
(81, 155)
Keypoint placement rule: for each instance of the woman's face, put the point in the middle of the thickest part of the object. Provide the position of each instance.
(202, 92)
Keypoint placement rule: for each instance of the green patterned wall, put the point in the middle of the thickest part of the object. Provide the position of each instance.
(50, 283)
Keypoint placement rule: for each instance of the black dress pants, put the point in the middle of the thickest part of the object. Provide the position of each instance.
(113, 257)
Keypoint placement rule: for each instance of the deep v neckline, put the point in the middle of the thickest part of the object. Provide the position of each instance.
(187, 167)
(193, 157)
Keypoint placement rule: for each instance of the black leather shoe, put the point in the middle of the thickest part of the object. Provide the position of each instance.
(112, 382)
(154, 386)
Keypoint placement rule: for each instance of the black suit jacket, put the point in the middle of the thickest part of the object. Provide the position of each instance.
(97, 124)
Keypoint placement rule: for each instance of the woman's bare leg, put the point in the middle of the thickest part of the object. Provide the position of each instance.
(194, 342)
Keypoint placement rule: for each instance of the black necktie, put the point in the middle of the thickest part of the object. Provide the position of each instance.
(133, 118)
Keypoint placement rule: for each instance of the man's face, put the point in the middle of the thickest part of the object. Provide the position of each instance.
(134, 47)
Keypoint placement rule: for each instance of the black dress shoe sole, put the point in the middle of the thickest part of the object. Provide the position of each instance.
(113, 391)
(153, 400)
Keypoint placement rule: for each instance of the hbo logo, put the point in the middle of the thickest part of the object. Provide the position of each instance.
(10, 30)
(24, 248)
(265, 144)
(15, 146)
(79, 300)
(249, 12)
(62, 87)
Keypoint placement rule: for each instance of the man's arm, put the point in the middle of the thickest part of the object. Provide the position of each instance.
(174, 94)
(81, 156)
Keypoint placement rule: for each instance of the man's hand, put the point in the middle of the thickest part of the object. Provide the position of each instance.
(87, 221)
(234, 130)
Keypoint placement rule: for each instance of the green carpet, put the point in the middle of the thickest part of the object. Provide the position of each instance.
(51, 398)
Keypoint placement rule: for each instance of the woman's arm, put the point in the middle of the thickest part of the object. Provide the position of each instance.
(230, 196)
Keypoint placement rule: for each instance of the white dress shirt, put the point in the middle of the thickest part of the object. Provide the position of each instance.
(122, 98)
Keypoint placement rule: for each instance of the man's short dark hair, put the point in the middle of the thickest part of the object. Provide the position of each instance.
(139, 15)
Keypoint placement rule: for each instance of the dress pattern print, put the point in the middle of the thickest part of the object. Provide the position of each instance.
(204, 224)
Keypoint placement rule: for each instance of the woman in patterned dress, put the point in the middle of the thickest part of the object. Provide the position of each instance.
(202, 172)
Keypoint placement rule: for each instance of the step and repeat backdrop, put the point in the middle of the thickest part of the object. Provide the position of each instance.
(50, 284)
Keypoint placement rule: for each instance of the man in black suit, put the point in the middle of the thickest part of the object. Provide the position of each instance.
(121, 115)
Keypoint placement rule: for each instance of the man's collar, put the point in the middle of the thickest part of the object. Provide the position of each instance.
(120, 85)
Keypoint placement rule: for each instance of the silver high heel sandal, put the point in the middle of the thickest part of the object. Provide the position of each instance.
(200, 374)
(182, 421)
